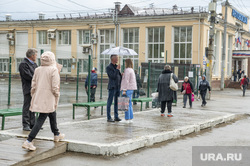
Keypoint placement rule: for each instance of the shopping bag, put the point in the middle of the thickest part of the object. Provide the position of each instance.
(155, 95)
(192, 98)
(142, 92)
(173, 85)
(123, 103)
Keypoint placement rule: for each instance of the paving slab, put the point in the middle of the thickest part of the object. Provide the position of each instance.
(99, 137)
(12, 153)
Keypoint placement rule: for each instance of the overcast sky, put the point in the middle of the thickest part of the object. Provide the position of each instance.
(29, 9)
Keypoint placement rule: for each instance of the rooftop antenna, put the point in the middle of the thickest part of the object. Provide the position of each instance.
(64, 16)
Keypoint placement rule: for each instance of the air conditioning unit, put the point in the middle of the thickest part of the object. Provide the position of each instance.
(93, 41)
(51, 35)
(85, 50)
(10, 36)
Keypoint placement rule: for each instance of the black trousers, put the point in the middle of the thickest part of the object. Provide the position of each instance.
(189, 96)
(244, 89)
(28, 117)
(203, 97)
(92, 94)
(169, 106)
(39, 123)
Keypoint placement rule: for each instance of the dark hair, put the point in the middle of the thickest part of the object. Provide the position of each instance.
(245, 76)
(112, 56)
(135, 71)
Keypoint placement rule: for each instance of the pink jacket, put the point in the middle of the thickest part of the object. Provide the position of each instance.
(45, 87)
(128, 80)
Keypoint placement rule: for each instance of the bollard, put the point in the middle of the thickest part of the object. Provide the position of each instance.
(77, 81)
(9, 90)
(101, 81)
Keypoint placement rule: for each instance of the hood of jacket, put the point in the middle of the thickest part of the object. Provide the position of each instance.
(204, 77)
(166, 71)
(48, 59)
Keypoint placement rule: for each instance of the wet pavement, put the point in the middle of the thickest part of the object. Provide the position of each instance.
(171, 153)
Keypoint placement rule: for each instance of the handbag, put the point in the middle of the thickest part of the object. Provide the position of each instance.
(142, 92)
(123, 103)
(173, 85)
(192, 98)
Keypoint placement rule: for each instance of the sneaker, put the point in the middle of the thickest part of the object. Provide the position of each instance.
(202, 105)
(162, 114)
(131, 121)
(170, 115)
(59, 137)
(28, 145)
(184, 106)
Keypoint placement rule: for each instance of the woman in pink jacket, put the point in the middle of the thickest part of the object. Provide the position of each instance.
(128, 86)
(45, 92)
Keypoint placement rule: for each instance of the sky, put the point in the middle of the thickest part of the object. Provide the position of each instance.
(29, 9)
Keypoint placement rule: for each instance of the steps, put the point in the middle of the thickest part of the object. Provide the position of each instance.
(235, 85)
(12, 153)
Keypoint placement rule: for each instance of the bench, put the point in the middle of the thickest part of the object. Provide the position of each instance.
(89, 105)
(144, 99)
(9, 112)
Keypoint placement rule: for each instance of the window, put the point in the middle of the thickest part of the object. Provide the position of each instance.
(155, 44)
(4, 65)
(131, 40)
(84, 37)
(183, 45)
(83, 65)
(107, 40)
(18, 61)
(229, 55)
(64, 37)
(66, 65)
(42, 38)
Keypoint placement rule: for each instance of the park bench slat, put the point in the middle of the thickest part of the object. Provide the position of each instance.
(9, 112)
(142, 99)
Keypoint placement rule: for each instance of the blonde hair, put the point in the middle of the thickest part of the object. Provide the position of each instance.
(128, 63)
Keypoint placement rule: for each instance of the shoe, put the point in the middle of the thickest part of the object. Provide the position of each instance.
(28, 145)
(170, 115)
(117, 119)
(59, 137)
(162, 114)
(26, 128)
(131, 121)
(184, 106)
(110, 120)
(135, 103)
(191, 107)
(202, 105)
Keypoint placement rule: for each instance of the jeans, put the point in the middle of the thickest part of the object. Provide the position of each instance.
(129, 113)
(137, 93)
(203, 96)
(39, 123)
(244, 89)
(28, 117)
(185, 96)
(169, 106)
(92, 94)
(113, 93)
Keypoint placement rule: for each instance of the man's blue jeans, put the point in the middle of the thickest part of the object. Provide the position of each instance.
(113, 93)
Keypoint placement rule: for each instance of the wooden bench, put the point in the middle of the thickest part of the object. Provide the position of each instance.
(144, 99)
(89, 105)
(9, 112)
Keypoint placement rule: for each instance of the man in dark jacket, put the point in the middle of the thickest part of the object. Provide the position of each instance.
(166, 95)
(114, 85)
(136, 93)
(204, 85)
(239, 74)
(93, 84)
(26, 69)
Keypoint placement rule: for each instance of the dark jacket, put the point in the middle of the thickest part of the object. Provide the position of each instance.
(115, 77)
(26, 69)
(138, 81)
(93, 80)
(165, 93)
(188, 86)
(204, 85)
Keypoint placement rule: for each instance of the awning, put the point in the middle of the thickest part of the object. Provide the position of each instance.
(241, 54)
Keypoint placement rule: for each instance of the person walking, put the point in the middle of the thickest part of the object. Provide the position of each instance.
(204, 85)
(136, 93)
(244, 84)
(26, 70)
(239, 74)
(114, 85)
(93, 84)
(45, 94)
(128, 85)
(187, 91)
(166, 95)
